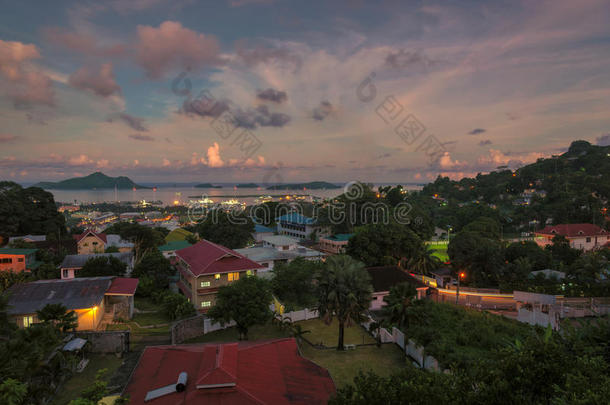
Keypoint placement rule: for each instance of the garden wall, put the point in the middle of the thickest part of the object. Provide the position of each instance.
(107, 342)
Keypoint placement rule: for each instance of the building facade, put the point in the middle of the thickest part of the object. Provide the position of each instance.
(204, 267)
(18, 260)
(581, 236)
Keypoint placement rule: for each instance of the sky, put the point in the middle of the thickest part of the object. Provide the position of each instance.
(281, 91)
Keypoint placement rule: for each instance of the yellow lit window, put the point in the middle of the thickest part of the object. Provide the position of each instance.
(206, 304)
(249, 272)
(204, 284)
(27, 321)
(217, 276)
(233, 276)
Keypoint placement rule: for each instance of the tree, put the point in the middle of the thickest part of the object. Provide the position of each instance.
(145, 239)
(398, 302)
(47, 271)
(292, 283)
(112, 249)
(58, 316)
(13, 392)
(102, 266)
(539, 258)
(175, 305)
(156, 268)
(344, 292)
(561, 252)
(233, 230)
(245, 301)
(379, 244)
(424, 262)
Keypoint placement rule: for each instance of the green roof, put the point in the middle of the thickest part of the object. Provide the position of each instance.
(341, 237)
(10, 251)
(177, 234)
(174, 245)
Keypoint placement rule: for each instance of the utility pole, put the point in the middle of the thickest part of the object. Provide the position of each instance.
(457, 293)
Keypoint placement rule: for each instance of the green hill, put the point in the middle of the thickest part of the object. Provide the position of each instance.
(207, 185)
(97, 180)
(313, 185)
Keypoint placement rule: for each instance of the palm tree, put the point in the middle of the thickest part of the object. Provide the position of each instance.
(344, 292)
(398, 302)
(424, 262)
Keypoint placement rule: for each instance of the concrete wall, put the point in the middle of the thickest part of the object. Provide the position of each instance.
(107, 342)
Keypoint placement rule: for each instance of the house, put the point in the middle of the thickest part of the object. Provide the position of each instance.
(90, 242)
(581, 236)
(206, 266)
(443, 276)
(265, 372)
(298, 226)
(260, 232)
(278, 249)
(169, 249)
(89, 297)
(335, 244)
(383, 278)
(18, 260)
(72, 263)
(28, 238)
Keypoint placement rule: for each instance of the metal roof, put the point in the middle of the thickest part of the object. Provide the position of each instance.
(76, 293)
(78, 261)
(9, 251)
(280, 240)
(296, 218)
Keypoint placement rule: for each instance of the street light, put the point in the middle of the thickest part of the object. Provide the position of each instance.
(461, 276)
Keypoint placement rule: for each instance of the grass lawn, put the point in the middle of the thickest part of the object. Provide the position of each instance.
(328, 334)
(73, 387)
(151, 318)
(145, 304)
(344, 366)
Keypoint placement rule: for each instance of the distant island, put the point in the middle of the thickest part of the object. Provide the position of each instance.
(94, 181)
(207, 185)
(313, 185)
(247, 185)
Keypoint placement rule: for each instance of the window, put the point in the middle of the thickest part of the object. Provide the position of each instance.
(20, 260)
(206, 304)
(65, 273)
(217, 276)
(9, 260)
(27, 321)
(233, 276)
(203, 284)
(94, 243)
(588, 239)
(85, 244)
(265, 264)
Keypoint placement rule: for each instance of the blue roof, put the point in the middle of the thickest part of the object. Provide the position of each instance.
(260, 229)
(296, 218)
(341, 237)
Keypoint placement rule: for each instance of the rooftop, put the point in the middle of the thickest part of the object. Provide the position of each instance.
(296, 218)
(78, 261)
(206, 257)
(33, 238)
(340, 237)
(573, 230)
(269, 372)
(101, 236)
(262, 229)
(76, 293)
(123, 286)
(263, 254)
(11, 251)
(280, 240)
(174, 245)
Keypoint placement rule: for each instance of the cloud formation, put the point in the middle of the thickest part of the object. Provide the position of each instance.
(172, 46)
(477, 131)
(260, 116)
(603, 140)
(323, 110)
(135, 123)
(140, 137)
(82, 42)
(485, 142)
(404, 60)
(5, 138)
(275, 96)
(99, 80)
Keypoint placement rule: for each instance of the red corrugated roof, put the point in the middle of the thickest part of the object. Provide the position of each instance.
(123, 286)
(270, 372)
(206, 257)
(572, 230)
(101, 236)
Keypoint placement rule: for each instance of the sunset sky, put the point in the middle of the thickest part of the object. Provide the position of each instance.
(87, 86)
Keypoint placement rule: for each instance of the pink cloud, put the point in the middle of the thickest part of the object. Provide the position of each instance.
(26, 84)
(171, 46)
(4, 138)
(97, 80)
(81, 42)
(214, 159)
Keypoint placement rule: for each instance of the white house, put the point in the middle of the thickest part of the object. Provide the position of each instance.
(581, 236)
(299, 226)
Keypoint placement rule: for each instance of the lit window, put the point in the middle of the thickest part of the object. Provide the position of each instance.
(217, 276)
(249, 272)
(27, 321)
(20, 259)
(233, 276)
(206, 304)
(204, 284)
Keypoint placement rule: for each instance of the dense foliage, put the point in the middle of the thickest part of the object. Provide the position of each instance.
(292, 283)
(233, 230)
(379, 244)
(153, 271)
(245, 301)
(28, 211)
(102, 266)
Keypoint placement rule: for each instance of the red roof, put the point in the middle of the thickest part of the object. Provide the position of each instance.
(123, 286)
(572, 230)
(101, 236)
(206, 257)
(270, 372)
